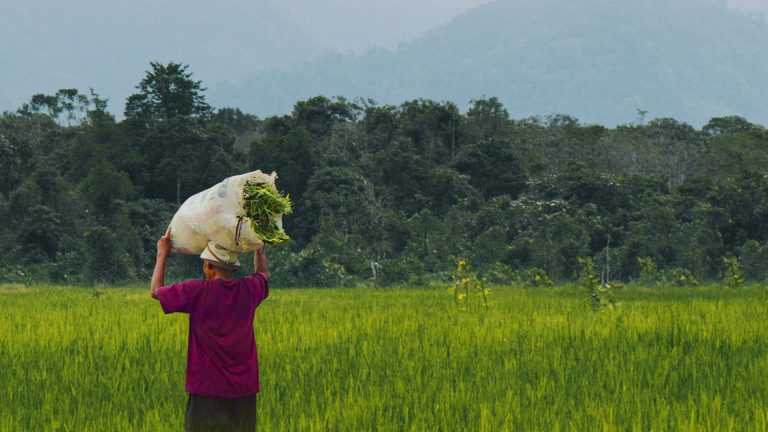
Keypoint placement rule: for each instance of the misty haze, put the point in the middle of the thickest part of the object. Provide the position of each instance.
(597, 60)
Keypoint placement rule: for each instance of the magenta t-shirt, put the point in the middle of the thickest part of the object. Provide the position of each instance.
(221, 354)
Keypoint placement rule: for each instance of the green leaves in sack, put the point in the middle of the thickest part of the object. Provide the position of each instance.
(262, 203)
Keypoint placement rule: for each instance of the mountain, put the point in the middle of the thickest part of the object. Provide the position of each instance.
(598, 60)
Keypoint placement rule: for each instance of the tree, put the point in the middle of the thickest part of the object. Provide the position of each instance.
(102, 140)
(104, 185)
(169, 122)
(10, 160)
(430, 245)
(285, 147)
(188, 157)
(434, 129)
(492, 168)
(246, 127)
(237, 120)
(339, 196)
(319, 114)
(68, 100)
(73, 103)
(39, 235)
(380, 126)
(44, 216)
(488, 118)
(33, 136)
(49, 102)
(745, 199)
(729, 125)
(341, 215)
(679, 147)
(401, 173)
(732, 152)
(106, 261)
(167, 92)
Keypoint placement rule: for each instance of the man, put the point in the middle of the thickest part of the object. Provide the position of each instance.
(222, 364)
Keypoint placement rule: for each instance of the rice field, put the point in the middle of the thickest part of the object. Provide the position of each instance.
(694, 359)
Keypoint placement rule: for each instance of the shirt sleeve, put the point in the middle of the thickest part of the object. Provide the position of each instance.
(179, 297)
(259, 287)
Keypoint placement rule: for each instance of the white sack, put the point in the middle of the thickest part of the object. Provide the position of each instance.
(213, 215)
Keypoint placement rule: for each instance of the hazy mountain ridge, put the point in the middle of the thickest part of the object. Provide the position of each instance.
(599, 60)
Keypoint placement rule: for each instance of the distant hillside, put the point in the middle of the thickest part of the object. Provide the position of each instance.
(599, 60)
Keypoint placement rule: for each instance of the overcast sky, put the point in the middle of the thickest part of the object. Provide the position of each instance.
(358, 24)
(751, 6)
(108, 44)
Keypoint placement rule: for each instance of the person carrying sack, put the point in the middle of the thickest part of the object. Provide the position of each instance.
(222, 362)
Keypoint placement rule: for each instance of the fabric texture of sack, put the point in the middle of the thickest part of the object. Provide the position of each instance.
(215, 214)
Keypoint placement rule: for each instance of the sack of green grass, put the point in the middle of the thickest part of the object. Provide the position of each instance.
(240, 214)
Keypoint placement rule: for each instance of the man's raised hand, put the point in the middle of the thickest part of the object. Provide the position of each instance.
(164, 243)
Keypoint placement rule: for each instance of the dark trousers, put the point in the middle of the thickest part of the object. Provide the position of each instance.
(219, 414)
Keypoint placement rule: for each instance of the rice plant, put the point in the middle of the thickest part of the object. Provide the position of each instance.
(683, 359)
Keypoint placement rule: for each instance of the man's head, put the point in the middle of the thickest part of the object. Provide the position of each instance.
(213, 272)
(218, 261)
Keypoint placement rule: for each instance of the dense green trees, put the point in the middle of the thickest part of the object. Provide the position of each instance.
(383, 194)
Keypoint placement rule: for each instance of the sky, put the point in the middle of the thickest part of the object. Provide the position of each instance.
(751, 6)
(353, 25)
(108, 44)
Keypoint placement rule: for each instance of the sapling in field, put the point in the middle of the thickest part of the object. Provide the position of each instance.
(600, 296)
(465, 280)
(649, 273)
(734, 277)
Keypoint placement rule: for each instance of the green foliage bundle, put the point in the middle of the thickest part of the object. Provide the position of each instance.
(261, 203)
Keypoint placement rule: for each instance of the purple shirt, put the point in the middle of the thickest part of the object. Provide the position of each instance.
(221, 354)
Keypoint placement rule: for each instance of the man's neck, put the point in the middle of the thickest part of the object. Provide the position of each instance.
(223, 276)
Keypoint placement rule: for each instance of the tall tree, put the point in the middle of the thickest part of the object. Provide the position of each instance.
(167, 92)
(487, 118)
(319, 114)
(492, 168)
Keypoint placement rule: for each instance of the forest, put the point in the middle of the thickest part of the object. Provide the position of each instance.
(383, 195)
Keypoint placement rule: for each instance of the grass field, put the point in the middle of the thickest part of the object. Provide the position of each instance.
(401, 359)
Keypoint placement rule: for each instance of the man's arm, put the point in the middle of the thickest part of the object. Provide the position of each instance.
(158, 275)
(260, 262)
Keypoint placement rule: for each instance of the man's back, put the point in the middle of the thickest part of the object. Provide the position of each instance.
(222, 360)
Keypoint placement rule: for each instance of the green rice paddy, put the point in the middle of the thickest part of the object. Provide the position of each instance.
(667, 359)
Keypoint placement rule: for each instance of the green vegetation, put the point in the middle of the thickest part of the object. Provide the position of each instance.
(261, 202)
(683, 359)
(464, 281)
(384, 195)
